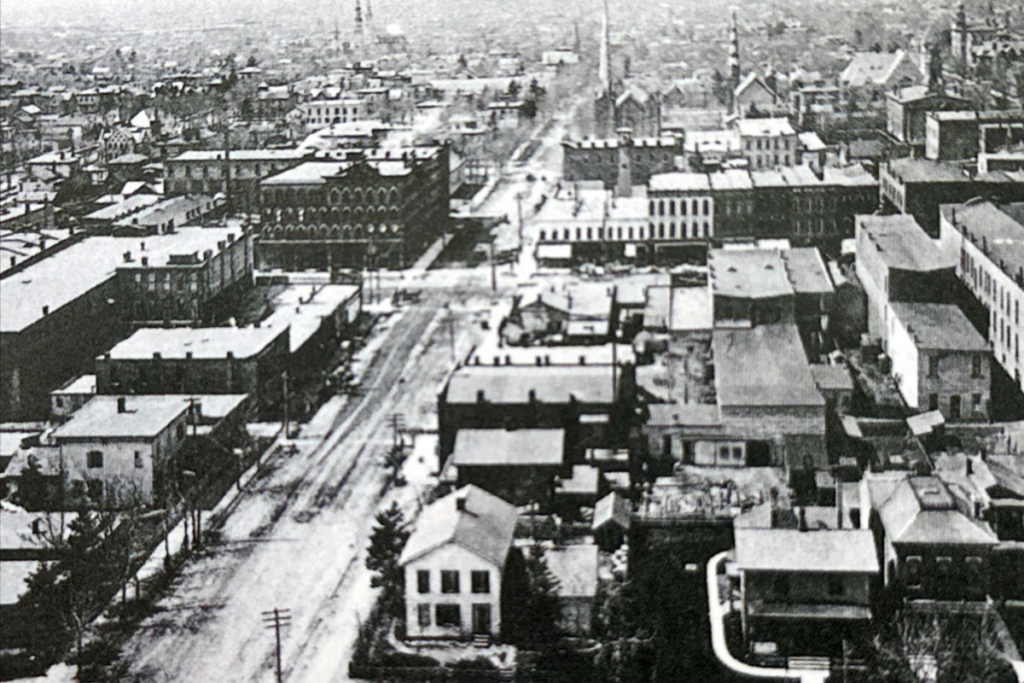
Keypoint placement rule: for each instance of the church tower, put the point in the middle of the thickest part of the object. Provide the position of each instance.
(359, 17)
(605, 105)
(734, 61)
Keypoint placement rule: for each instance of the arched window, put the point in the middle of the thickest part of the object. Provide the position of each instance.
(671, 207)
(650, 207)
(661, 207)
(334, 196)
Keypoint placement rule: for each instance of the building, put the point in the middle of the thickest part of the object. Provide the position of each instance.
(987, 243)
(960, 135)
(768, 143)
(753, 97)
(517, 465)
(62, 311)
(71, 396)
(317, 114)
(116, 448)
(235, 173)
(454, 564)
(209, 360)
(939, 360)
(908, 108)
(804, 590)
(590, 221)
(896, 261)
(600, 159)
(918, 186)
(930, 549)
(574, 567)
(581, 399)
(370, 208)
(870, 75)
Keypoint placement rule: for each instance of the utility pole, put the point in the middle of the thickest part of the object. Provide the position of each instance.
(397, 429)
(494, 269)
(277, 619)
(284, 377)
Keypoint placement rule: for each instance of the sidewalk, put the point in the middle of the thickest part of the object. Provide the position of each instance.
(717, 611)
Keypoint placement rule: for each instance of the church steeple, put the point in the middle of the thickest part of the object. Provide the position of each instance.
(604, 70)
(734, 60)
(359, 17)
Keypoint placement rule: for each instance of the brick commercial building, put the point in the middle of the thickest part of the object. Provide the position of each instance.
(965, 134)
(918, 186)
(235, 173)
(209, 360)
(987, 243)
(58, 314)
(368, 208)
(601, 159)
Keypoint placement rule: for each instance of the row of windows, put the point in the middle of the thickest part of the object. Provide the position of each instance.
(781, 585)
(977, 366)
(697, 207)
(767, 144)
(955, 404)
(761, 161)
(94, 460)
(693, 230)
(449, 616)
(480, 581)
(336, 196)
(944, 569)
(331, 231)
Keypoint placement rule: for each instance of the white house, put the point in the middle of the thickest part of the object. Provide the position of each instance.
(454, 564)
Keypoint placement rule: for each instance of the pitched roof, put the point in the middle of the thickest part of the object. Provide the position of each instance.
(872, 68)
(613, 508)
(902, 243)
(484, 526)
(145, 417)
(504, 447)
(921, 510)
(790, 550)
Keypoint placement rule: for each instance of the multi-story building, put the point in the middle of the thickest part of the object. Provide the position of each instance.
(321, 113)
(768, 143)
(805, 590)
(918, 186)
(364, 208)
(206, 360)
(601, 159)
(954, 135)
(987, 242)
(59, 313)
(908, 108)
(454, 564)
(930, 549)
(939, 360)
(236, 173)
(896, 261)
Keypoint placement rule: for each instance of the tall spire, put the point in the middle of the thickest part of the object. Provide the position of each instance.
(734, 60)
(604, 71)
(359, 17)
(369, 12)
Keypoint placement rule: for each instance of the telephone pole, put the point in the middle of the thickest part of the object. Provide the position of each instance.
(397, 429)
(284, 378)
(277, 619)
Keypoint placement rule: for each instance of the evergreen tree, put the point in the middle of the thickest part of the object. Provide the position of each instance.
(43, 605)
(386, 544)
(540, 606)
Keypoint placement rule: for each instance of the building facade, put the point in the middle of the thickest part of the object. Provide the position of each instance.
(236, 173)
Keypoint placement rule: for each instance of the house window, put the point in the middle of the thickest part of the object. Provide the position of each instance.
(449, 581)
(933, 366)
(423, 581)
(976, 402)
(943, 566)
(914, 571)
(933, 401)
(139, 463)
(180, 431)
(975, 574)
(448, 615)
(95, 489)
(481, 581)
(94, 460)
(423, 614)
(975, 366)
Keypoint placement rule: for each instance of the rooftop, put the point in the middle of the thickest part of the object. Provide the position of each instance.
(302, 308)
(748, 273)
(679, 181)
(832, 377)
(503, 447)
(807, 271)
(68, 274)
(588, 384)
(243, 155)
(939, 326)
(921, 510)
(575, 568)
(997, 230)
(902, 244)
(678, 309)
(199, 342)
(790, 550)
(144, 417)
(909, 170)
(481, 523)
(763, 366)
(764, 127)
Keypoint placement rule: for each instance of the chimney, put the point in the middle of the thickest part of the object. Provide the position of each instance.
(14, 261)
(533, 395)
(122, 404)
(188, 354)
(142, 246)
(801, 523)
(480, 396)
(127, 257)
(583, 360)
(156, 355)
(145, 260)
(460, 503)
(46, 310)
(970, 467)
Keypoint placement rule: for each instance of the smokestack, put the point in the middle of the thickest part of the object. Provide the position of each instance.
(122, 404)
